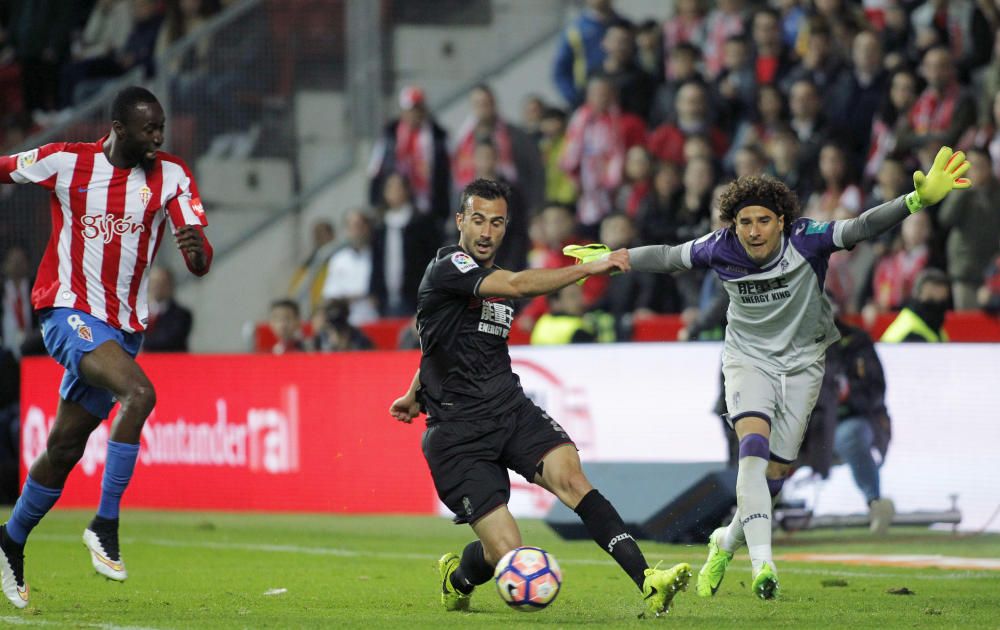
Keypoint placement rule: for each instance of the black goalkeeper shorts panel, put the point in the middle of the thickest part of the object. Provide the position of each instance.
(469, 458)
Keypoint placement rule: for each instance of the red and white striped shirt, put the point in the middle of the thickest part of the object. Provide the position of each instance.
(106, 226)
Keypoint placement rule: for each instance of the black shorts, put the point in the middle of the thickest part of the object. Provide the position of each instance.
(469, 458)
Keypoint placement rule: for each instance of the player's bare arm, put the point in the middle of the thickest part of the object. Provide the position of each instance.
(406, 408)
(532, 282)
(192, 243)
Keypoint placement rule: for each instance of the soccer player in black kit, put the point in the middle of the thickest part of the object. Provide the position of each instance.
(480, 422)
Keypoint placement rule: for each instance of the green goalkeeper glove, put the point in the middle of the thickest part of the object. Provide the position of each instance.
(586, 254)
(944, 176)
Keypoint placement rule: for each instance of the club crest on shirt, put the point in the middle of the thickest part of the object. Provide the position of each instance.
(463, 262)
(145, 194)
(26, 159)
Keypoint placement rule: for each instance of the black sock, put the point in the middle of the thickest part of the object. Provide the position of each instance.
(473, 570)
(608, 530)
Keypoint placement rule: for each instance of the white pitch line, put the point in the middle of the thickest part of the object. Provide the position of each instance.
(353, 553)
(28, 621)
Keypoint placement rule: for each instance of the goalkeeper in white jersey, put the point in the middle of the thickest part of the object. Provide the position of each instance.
(773, 266)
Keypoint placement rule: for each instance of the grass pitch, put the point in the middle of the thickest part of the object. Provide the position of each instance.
(190, 570)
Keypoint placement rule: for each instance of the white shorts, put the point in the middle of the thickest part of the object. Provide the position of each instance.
(784, 400)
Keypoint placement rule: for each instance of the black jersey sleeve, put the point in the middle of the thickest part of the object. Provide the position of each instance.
(459, 274)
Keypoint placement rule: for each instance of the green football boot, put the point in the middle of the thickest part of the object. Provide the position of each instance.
(661, 586)
(765, 583)
(451, 598)
(714, 569)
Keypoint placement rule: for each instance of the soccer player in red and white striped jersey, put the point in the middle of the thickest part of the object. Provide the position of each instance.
(112, 201)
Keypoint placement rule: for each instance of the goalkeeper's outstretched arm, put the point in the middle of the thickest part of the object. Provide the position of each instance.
(945, 175)
(660, 258)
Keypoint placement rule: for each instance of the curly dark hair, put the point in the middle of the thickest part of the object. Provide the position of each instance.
(771, 193)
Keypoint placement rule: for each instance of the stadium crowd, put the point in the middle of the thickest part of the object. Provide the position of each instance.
(840, 100)
(54, 54)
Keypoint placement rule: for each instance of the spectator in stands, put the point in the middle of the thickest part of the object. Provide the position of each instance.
(735, 88)
(105, 33)
(306, 285)
(944, 110)
(183, 17)
(857, 93)
(638, 181)
(837, 196)
(532, 110)
(169, 323)
(559, 186)
(783, 151)
(286, 325)
(628, 296)
(686, 26)
(988, 134)
(896, 274)
(750, 160)
(807, 121)
(852, 406)
(692, 214)
(18, 321)
(403, 242)
(990, 80)
(961, 26)
(655, 216)
(349, 272)
(415, 146)
(973, 223)
(634, 86)
(707, 320)
(564, 322)
(39, 34)
(682, 68)
(892, 119)
(922, 317)
(772, 59)
(895, 36)
(666, 142)
(845, 18)
(649, 49)
(86, 78)
(726, 20)
(989, 294)
(793, 18)
(518, 161)
(516, 243)
(768, 116)
(580, 52)
(599, 134)
(821, 62)
(332, 331)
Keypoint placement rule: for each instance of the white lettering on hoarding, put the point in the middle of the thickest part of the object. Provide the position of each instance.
(266, 442)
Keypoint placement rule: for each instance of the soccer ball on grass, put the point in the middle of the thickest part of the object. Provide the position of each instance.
(528, 578)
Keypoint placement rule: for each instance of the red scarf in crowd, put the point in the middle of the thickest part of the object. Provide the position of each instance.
(463, 167)
(414, 157)
(932, 113)
(594, 156)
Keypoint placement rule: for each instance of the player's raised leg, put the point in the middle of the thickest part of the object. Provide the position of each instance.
(112, 368)
(66, 443)
(561, 474)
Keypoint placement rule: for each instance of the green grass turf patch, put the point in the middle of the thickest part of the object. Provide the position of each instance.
(191, 570)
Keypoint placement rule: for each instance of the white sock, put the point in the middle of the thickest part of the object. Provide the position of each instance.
(733, 539)
(754, 509)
